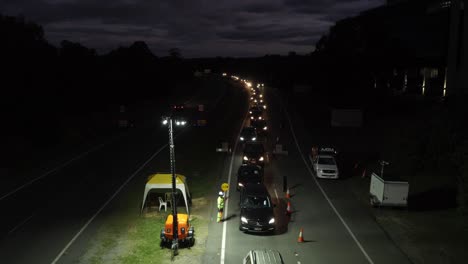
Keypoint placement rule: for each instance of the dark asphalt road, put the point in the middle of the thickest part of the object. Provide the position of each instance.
(52, 214)
(41, 220)
(337, 227)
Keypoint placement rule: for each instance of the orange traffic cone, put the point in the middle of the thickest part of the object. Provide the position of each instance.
(288, 209)
(300, 239)
(287, 194)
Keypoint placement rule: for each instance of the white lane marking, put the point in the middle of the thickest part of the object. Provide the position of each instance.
(323, 191)
(223, 240)
(57, 168)
(277, 198)
(107, 202)
(20, 224)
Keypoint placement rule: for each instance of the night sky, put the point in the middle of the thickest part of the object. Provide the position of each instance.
(204, 28)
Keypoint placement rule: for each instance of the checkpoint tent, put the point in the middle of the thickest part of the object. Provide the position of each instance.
(163, 181)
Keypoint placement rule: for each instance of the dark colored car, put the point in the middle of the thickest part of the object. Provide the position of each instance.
(260, 126)
(179, 114)
(248, 134)
(256, 113)
(257, 214)
(254, 153)
(249, 173)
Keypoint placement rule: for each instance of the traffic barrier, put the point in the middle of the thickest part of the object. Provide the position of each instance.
(300, 239)
(279, 150)
(288, 209)
(224, 147)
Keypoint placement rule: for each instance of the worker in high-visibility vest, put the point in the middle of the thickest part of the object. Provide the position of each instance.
(220, 206)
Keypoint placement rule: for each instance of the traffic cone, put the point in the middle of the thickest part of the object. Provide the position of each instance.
(287, 194)
(300, 239)
(288, 209)
(363, 173)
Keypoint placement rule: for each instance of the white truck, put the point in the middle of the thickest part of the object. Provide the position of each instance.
(324, 163)
(388, 192)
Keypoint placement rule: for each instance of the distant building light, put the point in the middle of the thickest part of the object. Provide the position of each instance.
(424, 84)
(444, 93)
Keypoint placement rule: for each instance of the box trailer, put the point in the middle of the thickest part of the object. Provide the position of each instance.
(388, 192)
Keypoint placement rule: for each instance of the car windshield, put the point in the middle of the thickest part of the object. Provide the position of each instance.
(259, 123)
(326, 161)
(248, 131)
(252, 201)
(249, 171)
(256, 148)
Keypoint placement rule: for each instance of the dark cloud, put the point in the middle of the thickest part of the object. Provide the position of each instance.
(198, 28)
(265, 7)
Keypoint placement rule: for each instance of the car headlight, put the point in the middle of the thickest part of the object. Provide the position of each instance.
(251, 117)
(250, 112)
(264, 107)
(253, 139)
(261, 101)
(259, 118)
(244, 220)
(265, 128)
(261, 158)
(272, 221)
(242, 138)
(245, 158)
(261, 95)
(240, 184)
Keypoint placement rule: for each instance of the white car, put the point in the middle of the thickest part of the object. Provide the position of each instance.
(325, 167)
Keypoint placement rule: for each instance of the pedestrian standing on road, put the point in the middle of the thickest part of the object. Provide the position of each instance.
(220, 206)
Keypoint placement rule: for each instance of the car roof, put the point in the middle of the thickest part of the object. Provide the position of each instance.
(250, 166)
(249, 146)
(255, 189)
(266, 256)
(261, 121)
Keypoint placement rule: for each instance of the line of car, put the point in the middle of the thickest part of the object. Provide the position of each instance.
(256, 207)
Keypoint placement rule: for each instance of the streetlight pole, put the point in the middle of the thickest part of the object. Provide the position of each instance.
(175, 229)
(383, 164)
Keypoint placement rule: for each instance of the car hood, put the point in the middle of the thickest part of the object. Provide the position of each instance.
(253, 154)
(327, 167)
(257, 214)
(250, 179)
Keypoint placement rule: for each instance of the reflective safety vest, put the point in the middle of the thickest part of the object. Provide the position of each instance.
(220, 202)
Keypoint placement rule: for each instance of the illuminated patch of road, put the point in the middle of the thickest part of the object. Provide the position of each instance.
(351, 233)
(223, 240)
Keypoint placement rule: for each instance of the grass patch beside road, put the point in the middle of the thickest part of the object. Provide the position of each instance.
(135, 239)
(127, 240)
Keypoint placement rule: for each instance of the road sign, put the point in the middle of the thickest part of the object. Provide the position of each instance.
(224, 187)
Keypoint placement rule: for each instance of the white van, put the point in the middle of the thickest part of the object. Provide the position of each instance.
(263, 256)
